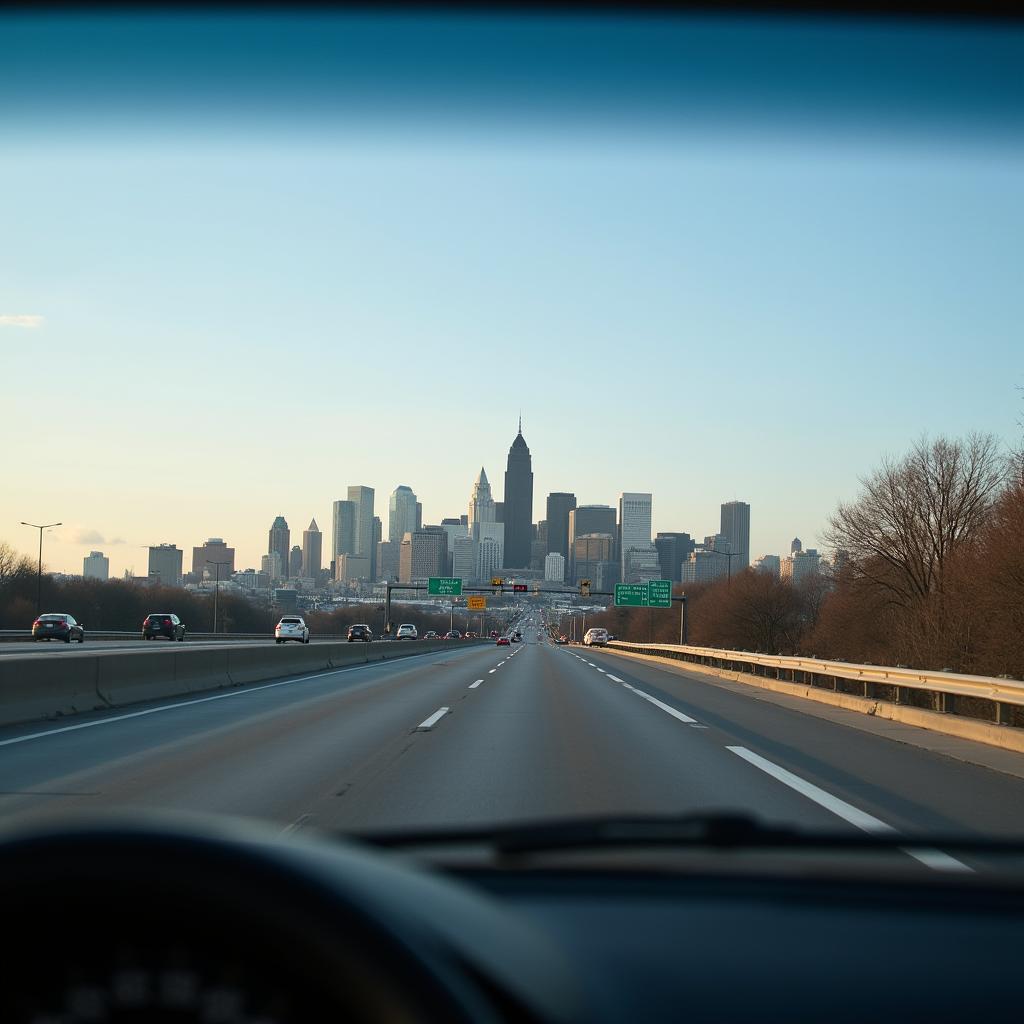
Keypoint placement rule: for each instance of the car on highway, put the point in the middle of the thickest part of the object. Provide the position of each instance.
(291, 628)
(163, 624)
(595, 637)
(360, 632)
(503, 641)
(517, 637)
(470, 636)
(453, 634)
(407, 631)
(58, 626)
(494, 634)
(431, 635)
(563, 639)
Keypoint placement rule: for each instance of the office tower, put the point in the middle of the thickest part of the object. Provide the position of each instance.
(481, 502)
(343, 532)
(96, 566)
(312, 551)
(704, 565)
(464, 557)
(295, 562)
(637, 555)
(736, 530)
(388, 560)
(419, 515)
(795, 546)
(554, 567)
(586, 519)
(594, 560)
(770, 564)
(560, 504)
(488, 558)
(214, 550)
(401, 513)
(362, 502)
(499, 511)
(352, 567)
(165, 564)
(673, 550)
(280, 541)
(800, 565)
(270, 565)
(455, 530)
(518, 511)
(378, 528)
(424, 553)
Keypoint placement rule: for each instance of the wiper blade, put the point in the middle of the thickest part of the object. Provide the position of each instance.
(714, 830)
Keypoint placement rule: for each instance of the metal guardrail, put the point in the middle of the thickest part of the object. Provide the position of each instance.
(993, 699)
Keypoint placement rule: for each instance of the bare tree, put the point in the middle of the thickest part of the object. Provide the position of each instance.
(913, 513)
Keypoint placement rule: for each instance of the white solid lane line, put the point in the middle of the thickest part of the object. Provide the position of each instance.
(491, 671)
(615, 679)
(854, 815)
(430, 722)
(473, 686)
(599, 669)
(664, 707)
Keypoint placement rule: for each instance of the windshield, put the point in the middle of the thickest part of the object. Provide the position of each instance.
(768, 268)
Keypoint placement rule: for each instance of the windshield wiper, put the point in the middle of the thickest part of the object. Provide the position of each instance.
(716, 830)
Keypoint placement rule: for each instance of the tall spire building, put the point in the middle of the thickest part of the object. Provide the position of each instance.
(518, 503)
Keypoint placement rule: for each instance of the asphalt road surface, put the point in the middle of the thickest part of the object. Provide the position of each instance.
(501, 734)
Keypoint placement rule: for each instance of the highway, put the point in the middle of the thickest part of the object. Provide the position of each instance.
(500, 734)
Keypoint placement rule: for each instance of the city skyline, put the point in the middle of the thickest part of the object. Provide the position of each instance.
(251, 555)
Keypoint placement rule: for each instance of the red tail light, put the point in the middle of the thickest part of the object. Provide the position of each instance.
(38, 622)
(167, 622)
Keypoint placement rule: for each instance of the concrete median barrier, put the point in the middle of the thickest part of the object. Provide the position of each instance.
(37, 687)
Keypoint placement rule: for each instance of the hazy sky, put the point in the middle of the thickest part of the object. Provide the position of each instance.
(234, 329)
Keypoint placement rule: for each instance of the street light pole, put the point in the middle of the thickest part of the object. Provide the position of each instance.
(39, 574)
(216, 590)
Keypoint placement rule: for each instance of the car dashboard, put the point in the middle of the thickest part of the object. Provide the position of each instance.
(214, 921)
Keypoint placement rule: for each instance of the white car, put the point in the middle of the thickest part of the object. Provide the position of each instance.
(291, 627)
(407, 631)
(595, 637)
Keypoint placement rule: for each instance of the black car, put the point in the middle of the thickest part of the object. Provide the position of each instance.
(58, 626)
(360, 632)
(165, 624)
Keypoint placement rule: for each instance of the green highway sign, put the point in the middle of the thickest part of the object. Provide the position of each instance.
(448, 586)
(631, 595)
(656, 594)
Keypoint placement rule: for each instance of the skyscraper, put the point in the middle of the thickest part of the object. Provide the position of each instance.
(165, 565)
(518, 512)
(280, 541)
(96, 566)
(736, 529)
(673, 550)
(312, 551)
(635, 544)
(295, 562)
(424, 553)
(585, 519)
(343, 532)
(481, 502)
(214, 550)
(560, 504)
(377, 538)
(401, 513)
(362, 502)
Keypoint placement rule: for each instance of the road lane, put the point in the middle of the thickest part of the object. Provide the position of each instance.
(913, 788)
(264, 751)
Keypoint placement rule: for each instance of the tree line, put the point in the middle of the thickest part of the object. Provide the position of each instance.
(123, 604)
(930, 574)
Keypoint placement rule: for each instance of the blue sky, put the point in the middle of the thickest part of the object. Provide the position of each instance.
(237, 326)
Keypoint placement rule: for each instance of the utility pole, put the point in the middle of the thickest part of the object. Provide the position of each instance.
(39, 574)
(216, 590)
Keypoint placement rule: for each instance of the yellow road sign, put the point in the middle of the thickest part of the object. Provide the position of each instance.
(496, 581)
(476, 604)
